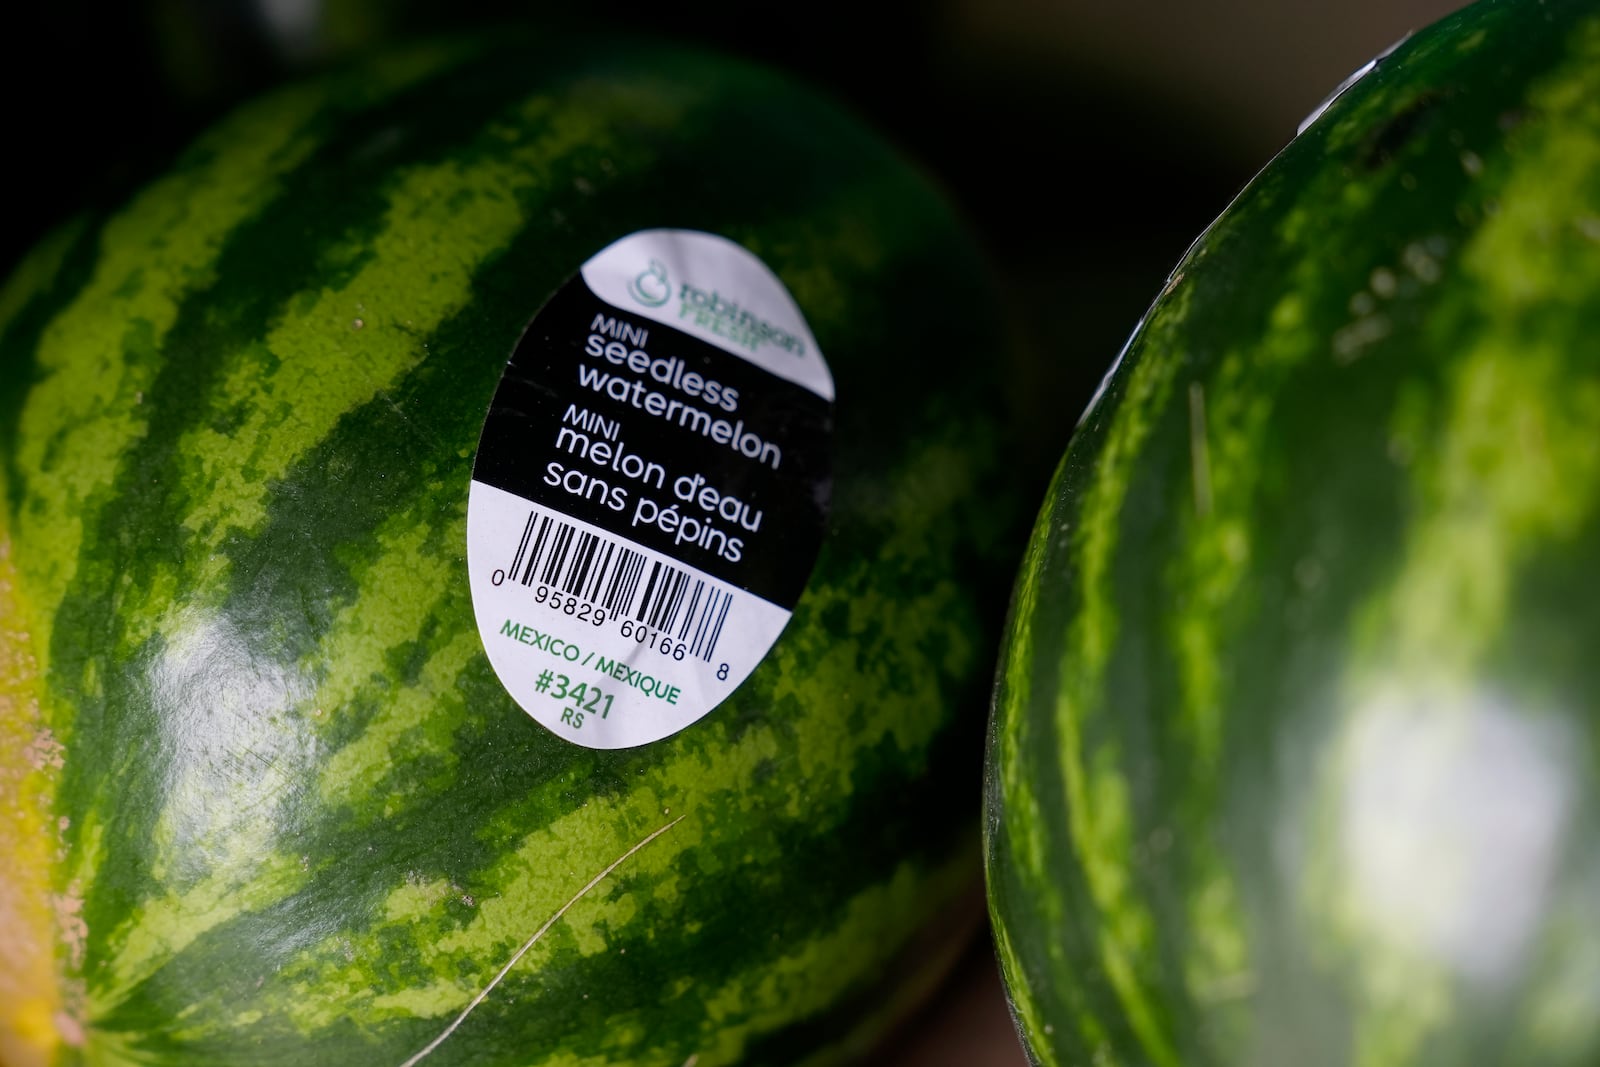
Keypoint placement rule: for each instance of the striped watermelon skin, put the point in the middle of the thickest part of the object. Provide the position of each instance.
(1293, 757)
(265, 801)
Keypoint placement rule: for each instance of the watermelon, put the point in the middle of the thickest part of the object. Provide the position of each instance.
(264, 799)
(1295, 752)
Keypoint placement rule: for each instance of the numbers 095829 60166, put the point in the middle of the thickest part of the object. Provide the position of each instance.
(567, 604)
(582, 610)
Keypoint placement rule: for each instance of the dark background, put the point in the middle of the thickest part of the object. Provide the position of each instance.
(1087, 142)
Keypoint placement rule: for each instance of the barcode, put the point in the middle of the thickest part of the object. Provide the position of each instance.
(623, 581)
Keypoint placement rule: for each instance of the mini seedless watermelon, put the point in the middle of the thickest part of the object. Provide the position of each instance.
(265, 802)
(1296, 747)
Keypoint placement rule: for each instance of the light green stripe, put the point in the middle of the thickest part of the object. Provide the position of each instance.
(1099, 810)
(907, 700)
(37, 271)
(1025, 820)
(243, 881)
(382, 617)
(1232, 418)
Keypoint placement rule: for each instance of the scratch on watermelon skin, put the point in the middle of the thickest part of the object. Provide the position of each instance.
(330, 826)
(455, 1024)
(1421, 382)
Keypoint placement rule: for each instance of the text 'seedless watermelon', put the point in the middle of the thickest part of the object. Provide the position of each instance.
(367, 699)
(1296, 751)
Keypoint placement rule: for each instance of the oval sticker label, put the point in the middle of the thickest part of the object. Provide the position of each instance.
(650, 490)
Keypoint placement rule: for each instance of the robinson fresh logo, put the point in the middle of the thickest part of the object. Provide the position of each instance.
(651, 287)
(710, 311)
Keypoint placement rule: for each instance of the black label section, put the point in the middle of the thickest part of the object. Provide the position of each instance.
(665, 439)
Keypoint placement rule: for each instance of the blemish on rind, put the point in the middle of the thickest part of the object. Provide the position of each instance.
(44, 752)
(71, 927)
(1351, 341)
(69, 1029)
(1384, 283)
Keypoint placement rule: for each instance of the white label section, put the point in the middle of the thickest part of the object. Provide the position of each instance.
(713, 289)
(606, 643)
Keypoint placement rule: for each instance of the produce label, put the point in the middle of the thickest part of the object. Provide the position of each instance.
(650, 489)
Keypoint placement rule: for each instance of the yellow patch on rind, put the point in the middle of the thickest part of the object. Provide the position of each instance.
(33, 1020)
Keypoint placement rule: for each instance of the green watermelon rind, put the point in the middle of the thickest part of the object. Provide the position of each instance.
(1347, 454)
(291, 815)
